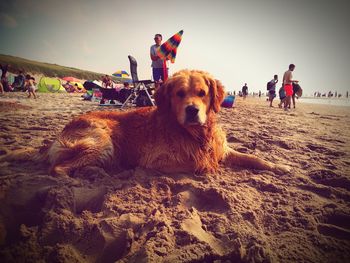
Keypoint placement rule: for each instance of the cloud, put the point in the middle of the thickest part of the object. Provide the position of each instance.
(7, 21)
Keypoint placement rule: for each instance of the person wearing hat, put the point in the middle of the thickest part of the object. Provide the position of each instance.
(157, 63)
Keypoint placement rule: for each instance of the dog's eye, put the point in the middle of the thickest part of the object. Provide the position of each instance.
(180, 94)
(201, 93)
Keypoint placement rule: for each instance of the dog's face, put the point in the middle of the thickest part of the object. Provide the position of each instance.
(190, 95)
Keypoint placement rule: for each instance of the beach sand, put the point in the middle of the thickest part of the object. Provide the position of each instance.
(234, 215)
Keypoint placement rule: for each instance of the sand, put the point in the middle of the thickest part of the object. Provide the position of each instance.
(234, 215)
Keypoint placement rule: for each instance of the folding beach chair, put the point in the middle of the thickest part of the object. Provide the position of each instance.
(141, 95)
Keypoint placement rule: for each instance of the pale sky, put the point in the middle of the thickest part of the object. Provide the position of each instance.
(236, 41)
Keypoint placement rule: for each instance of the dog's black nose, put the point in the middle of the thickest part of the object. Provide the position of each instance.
(191, 112)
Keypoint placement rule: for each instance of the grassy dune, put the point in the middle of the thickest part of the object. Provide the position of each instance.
(47, 69)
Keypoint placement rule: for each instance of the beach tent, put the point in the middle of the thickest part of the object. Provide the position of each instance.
(47, 84)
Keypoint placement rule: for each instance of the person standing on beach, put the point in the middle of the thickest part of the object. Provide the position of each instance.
(288, 87)
(272, 89)
(4, 68)
(245, 90)
(157, 62)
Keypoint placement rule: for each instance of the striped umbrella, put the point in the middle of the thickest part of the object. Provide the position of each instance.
(167, 51)
(121, 74)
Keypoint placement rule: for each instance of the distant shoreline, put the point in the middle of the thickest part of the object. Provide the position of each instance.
(326, 101)
(344, 102)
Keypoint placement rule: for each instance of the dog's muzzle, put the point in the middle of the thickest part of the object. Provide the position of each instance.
(192, 114)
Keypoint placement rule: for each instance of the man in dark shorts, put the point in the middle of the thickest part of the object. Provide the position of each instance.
(245, 90)
(157, 62)
(272, 89)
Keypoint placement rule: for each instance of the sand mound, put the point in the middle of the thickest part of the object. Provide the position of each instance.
(140, 215)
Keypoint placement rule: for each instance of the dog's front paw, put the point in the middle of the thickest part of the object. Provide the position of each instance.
(58, 171)
(282, 169)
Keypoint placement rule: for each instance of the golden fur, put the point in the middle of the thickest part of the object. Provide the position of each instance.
(179, 135)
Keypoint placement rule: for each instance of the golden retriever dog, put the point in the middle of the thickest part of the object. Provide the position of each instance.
(181, 134)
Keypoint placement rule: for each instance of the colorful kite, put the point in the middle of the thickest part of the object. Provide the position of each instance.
(167, 51)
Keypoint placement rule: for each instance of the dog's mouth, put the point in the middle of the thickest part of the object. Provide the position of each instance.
(193, 123)
(192, 116)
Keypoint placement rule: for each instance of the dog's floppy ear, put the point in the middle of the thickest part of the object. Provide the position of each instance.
(162, 96)
(217, 93)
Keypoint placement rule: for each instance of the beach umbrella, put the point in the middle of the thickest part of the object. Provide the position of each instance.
(122, 76)
(168, 50)
(71, 79)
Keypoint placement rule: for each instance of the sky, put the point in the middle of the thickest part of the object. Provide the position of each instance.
(236, 41)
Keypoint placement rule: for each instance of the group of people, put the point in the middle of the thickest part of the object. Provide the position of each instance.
(287, 92)
(21, 82)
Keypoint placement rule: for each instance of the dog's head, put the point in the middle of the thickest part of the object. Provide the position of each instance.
(190, 95)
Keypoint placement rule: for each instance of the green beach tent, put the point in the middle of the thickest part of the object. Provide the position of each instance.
(47, 84)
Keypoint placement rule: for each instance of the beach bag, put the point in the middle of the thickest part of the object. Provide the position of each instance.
(142, 100)
(228, 101)
(297, 90)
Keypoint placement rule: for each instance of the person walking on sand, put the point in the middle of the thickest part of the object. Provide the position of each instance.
(271, 86)
(30, 85)
(245, 90)
(288, 87)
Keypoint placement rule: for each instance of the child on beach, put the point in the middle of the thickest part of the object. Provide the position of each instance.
(282, 95)
(30, 85)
